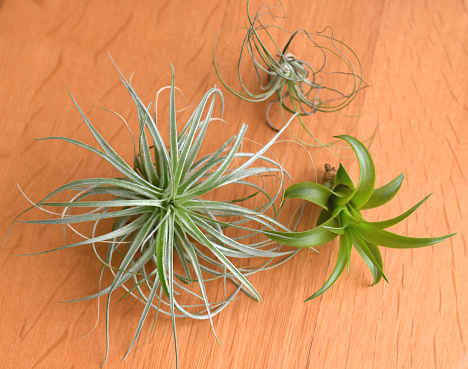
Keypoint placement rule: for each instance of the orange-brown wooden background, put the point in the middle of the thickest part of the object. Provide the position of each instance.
(414, 57)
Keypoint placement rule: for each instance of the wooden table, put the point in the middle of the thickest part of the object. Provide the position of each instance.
(414, 57)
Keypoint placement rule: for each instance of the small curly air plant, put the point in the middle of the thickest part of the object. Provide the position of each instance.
(341, 216)
(161, 214)
(300, 87)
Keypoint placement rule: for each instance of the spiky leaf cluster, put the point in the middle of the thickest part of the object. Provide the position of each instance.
(341, 217)
(161, 213)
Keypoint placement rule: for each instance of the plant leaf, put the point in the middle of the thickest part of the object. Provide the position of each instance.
(311, 238)
(323, 217)
(384, 194)
(367, 172)
(309, 191)
(337, 230)
(343, 195)
(193, 230)
(339, 267)
(388, 239)
(161, 253)
(371, 256)
(391, 222)
(342, 178)
(173, 147)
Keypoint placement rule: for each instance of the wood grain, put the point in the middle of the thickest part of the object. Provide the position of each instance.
(414, 56)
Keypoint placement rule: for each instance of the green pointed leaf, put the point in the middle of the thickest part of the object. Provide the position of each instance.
(371, 255)
(311, 238)
(309, 191)
(349, 246)
(339, 267)
(374, 249)
(391, 222)
(342, 178)
(392, 240)
(384, 194)
(367, 172)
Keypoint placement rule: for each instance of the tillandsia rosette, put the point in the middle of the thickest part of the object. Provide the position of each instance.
(300, 87)
(161, 213)
(341, 216)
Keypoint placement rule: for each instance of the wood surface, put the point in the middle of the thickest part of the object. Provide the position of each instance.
(414, 56)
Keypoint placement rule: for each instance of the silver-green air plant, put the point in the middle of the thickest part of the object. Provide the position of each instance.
(341, 217)
(160, 213)
(299, 87)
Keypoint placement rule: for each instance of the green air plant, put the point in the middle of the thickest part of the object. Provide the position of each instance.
(161, 213)
(341, 216)
(300, 87)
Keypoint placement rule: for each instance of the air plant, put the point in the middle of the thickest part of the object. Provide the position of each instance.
(341, 216)
(161, 213)
(299, 87)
